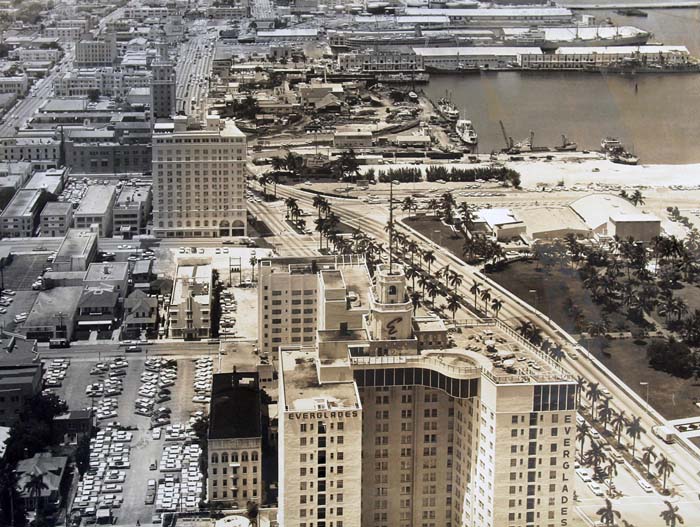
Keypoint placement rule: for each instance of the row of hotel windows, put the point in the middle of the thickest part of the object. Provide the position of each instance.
(234, 457)
(461, 388)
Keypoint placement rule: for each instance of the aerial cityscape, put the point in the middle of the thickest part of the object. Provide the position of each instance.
(362, 263)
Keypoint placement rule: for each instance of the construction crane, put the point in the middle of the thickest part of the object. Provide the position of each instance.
(508, 140)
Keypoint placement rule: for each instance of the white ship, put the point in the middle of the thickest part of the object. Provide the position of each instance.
(465, 131)
(447, 109)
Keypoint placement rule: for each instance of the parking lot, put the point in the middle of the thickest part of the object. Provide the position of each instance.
(138, 458)
(24, 270)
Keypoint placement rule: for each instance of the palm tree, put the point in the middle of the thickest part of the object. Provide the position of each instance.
(408, 204)
(664, 467)
(415, 300)
(595, 455)
(453, 304)
(618, 423)
(608, 514)
(411, 272)
(34, 486)
(252, 511)
(429, 258)
(605, 411)
(486, 296)
(648, 457)
(8, 491)
(582, 432)
(253, 262)
(455, 280)
(432, 289)
(670, 516)
(611, 470)
(423, 281)
(496, 306)
(593, 395)
(637, 198)
(634, 430)
(581, 386)
(475, 289)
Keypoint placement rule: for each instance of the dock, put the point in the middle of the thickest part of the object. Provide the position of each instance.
(680, 4)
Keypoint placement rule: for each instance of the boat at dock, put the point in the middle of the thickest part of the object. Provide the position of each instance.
(616, 152)
(632, 11)
(465, 130)
(447, 109)
(566, 145)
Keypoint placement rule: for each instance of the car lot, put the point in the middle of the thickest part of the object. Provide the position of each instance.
(24, 270)
(145, 445)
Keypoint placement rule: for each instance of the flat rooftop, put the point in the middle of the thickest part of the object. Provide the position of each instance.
(302, 391)
(53, 304)
(426, 324)
(22, 203)
(309, 264)
(516, 13)
(479, 51)
(195, 279)
(97, 201)
(108, 271)
(17, 352)
(77, 242)
(56, 208)
(350, 335)
(235, 410)
(129, 195)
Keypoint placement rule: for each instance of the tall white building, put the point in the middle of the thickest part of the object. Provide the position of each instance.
(198, 179)
(406, 434)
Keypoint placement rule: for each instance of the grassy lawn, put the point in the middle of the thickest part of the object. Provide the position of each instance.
(433, 229)
(672, 396)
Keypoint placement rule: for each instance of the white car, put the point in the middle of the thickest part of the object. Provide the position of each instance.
(583, 474)
(645, 486)
(596, 488)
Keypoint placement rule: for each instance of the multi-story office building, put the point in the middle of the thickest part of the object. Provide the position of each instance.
(95, 209)
(290, 307)
(89, 53)
(235, 440)
(131, 209)
(190, 306)
(198, 179)
(56, 218)
(163, 97)
(463, 435)
(21, 216)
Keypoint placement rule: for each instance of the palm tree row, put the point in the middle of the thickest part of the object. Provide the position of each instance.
(608, 515)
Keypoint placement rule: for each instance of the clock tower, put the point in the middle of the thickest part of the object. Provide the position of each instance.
(391, 310)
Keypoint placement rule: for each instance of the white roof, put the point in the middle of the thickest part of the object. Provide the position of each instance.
(520, 12)
(620, 50)
(496, 217)
(288, 33)
(596, 209)
(433, 19)
(580, 33)
(478, 51)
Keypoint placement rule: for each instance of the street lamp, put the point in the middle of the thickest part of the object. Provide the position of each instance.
(644, 383)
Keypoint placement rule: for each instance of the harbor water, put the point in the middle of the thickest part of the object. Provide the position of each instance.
(657, 116)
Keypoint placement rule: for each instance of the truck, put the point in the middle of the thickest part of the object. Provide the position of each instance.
(665, 433)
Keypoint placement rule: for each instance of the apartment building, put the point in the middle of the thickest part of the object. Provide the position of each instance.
(44, 150)
(466, 435)
(163, 89)
(235, 440)
(131, 210)
(20, 218)
(199, 179)
(56, 218)
(18, 84)
(76, 252)
(290, 310)
(95, 209)
(90, 53)
(190, 304)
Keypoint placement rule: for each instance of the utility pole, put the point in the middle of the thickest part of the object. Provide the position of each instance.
(391, 226)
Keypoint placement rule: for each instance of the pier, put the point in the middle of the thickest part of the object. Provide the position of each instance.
(634, 5)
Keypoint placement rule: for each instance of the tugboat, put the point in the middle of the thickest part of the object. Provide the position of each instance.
(465, 131)
(566, 145)
(447, 109)
(616, 152)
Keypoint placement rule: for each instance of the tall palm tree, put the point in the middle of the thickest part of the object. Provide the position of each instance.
(605, 411)
(607, 514)
(610, 470)
(411, 272)
(582, 433)
(618, 423)
(648, 457)
(429, 258)
(475, 289)
(593, 395)
(581, 386)
(455, 280)
(423, 281)
(595, 455)
(453, 304)
(34, 486)
(415, 300)
(8, 491)
(409, 204)
(664, 468)
(496, 306)
(253, 262)
(670, 516)
(486, 296)
(634, 430)
(432, 289)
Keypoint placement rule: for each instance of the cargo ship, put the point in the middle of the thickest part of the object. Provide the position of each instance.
(447, 109)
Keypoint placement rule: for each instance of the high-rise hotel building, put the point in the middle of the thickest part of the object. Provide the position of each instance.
(393, 423)
(198, 179)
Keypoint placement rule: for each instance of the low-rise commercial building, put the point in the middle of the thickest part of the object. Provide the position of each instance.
(352, 139)
(18, 84)
(98, 310)
(20, 376)
(54, 475)
(76, 252)
(140, 316)
(53, 314)
(610, 215)
(56, 219)
(95, 210)
(20, 218)
(110, 276)
(131, 210)
(380, 61)
(190, 304)
(235, 440)
(474, 58)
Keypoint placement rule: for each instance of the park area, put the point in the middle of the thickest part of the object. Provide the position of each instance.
(554, 291)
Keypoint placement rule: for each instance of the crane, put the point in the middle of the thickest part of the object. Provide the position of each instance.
(508, 140)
